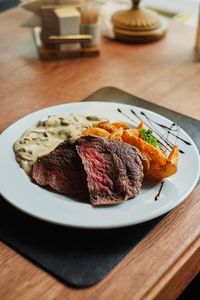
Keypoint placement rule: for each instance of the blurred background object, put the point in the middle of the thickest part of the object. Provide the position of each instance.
(64, 28)
(182, 11)
(198, 35)
(138, 25)
(36, 5)
(90, 20)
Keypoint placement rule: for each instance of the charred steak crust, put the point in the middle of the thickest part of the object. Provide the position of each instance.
(62, 170)
(114, 169)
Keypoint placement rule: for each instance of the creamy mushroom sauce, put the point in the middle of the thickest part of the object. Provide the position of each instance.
(48, 134)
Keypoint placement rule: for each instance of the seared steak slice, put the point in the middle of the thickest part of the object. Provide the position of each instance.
(62, 170)
(114, 169)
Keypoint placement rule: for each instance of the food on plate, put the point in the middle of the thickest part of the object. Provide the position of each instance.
(159, 166)
(88, 157)
(107, 129)
(114, 169)
(156, 165)
(48, 134)
(95, 131)
(62, 170)
(109, 171)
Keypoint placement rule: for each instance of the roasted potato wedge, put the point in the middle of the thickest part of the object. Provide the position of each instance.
(141, 125)
(95, 132)
(121, 125)
(107, 126)
(117, 135)
(160, 166)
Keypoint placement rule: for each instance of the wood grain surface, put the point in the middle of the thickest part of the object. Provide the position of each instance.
(167, 73)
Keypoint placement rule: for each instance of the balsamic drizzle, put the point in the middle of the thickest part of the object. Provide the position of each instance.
(168, 143)
(177, 136)
(169, 129)
(160, 189)
(125, 115)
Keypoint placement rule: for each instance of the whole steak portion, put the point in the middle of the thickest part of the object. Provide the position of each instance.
(62, 170)
(114, 169)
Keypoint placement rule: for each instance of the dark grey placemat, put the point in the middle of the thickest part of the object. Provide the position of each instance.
(7, 4)
(81, 257)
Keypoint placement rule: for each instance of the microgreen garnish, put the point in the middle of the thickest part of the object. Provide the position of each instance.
(146, 135)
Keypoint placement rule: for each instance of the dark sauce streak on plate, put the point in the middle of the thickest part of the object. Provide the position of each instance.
(167, 144)
(125, 115)
(169, 129)
(163, 141)
(160, 189)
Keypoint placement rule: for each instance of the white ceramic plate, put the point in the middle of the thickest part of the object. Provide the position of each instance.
(16, 187)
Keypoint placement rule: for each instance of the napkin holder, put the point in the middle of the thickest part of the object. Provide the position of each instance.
(58, 33)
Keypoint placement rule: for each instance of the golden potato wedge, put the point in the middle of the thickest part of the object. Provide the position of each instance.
(158, 172)
(141, 125)
(117, 135)
(121, 125)
(145, 163)
(160, 166)
(174, 154)
(107, 126)
(132, 131)
(95, 132)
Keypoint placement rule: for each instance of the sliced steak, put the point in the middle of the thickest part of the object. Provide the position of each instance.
(114, 169)
(62, 170)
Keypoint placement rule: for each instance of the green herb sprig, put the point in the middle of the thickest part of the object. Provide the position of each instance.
(146, 135)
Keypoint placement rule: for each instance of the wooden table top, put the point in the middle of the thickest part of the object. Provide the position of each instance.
(167, 73)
